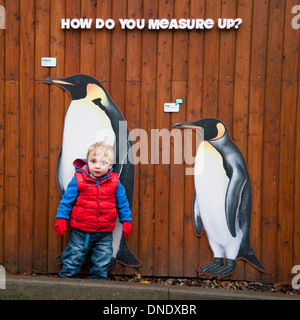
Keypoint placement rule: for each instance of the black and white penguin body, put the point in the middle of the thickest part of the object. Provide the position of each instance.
(92, 116)
(222, 203)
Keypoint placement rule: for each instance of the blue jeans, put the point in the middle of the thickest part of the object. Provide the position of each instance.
(80, 242)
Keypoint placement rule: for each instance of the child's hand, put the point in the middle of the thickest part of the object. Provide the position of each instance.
(60, 226)
(126, 228)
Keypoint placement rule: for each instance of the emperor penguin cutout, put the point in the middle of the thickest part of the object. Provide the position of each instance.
(222, 202)
(92, 116)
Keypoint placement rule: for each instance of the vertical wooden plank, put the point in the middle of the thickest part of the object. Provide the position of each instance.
(11, 152)
(242, 75)
(226, 81)
(255, 127)
(133, 43)
(177, 188)
(177, 179)
(296, 233)
(286, 183)
(210, 93)
(162, 173)
(211, 61)
(41, 138)
(118, 55)
(271, 138)
(73, 49)
(241, 87)
(42, 40)
(11, 193)
(87, 39)
(118, 62)
(2, 136)
(193, 107)
(180, 40)
(26, 135)
(226, 67)
(132, 116)
(288, 131)
(12, 40)
(103, 43)
(56, 109)
(41, 177)
(132, 110)
(73, 40)
(147, 121)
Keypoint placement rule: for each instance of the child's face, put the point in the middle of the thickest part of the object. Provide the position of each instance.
(98, 165)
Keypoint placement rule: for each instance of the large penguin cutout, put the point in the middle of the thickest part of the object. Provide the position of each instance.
(222, 202)
(92, 116)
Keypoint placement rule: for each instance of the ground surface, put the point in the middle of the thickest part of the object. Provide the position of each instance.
(207, 283)
(199, 282)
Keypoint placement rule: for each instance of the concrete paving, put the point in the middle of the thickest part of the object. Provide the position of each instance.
(52, 288)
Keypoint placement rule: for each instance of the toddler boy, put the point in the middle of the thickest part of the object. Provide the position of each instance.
(92, 201)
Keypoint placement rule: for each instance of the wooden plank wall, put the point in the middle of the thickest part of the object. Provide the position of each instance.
(249, 78)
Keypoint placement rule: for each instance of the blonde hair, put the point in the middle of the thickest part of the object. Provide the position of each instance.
(103, 148)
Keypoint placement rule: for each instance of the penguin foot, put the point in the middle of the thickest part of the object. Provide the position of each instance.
(209, 269)
(219, 271)
(226, 270)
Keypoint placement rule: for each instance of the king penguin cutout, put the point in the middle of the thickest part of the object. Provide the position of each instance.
(92, 116)
(222, 202)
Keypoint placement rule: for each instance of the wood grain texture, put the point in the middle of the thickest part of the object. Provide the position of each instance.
(248, 77)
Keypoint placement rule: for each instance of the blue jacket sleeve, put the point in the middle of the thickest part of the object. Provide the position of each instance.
(68, 200)
(122, 204)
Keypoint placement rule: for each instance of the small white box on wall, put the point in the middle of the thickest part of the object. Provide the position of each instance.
(48, 62)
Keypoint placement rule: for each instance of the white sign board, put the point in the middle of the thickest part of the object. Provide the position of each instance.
(171, 107)
(48, 62)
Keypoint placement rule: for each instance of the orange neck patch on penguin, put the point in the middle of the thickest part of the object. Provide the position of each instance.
(221, 131)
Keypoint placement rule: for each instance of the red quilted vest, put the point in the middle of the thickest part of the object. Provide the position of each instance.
(95, 207)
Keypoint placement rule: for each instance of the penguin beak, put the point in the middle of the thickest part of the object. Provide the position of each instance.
(58, 82)
(187, 126)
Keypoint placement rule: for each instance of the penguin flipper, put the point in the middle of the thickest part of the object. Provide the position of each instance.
(59, 175)
(125, 170)
(233, 199)
(197, 218)
(127, 180)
